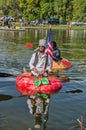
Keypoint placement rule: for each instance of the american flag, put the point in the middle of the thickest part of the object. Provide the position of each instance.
(49, 48)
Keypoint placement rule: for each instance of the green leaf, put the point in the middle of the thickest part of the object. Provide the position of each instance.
(45, 81)
(37, 82)
(37, 94)
(44, 96)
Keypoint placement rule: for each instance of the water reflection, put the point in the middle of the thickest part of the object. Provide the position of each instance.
(5, 74)
(38, 107)
(14, 56)
(11, 35)
(5, 97)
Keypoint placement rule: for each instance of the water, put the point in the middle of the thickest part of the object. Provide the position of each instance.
(66, 106)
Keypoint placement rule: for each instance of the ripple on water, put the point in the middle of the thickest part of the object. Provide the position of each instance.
(3, 120)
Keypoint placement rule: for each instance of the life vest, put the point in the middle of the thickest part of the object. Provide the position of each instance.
(36, 59)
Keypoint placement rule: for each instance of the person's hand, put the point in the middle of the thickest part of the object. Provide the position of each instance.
(34, 69)
(43, 71)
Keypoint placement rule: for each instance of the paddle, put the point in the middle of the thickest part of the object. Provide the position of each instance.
(29, 45)
(66, 63)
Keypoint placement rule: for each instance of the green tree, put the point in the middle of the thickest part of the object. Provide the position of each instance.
(63, 9)
(79, 10)
(46, 9)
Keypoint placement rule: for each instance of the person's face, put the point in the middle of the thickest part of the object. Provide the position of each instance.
(41, 48)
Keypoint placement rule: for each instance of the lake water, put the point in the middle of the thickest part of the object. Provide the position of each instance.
(66, 106)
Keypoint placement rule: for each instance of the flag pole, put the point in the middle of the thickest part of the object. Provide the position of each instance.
(50, 26)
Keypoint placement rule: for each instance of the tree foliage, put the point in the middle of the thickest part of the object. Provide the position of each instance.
(65, 10)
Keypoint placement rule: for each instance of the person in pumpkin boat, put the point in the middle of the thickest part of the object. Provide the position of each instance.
(40, 63)
(56, 52)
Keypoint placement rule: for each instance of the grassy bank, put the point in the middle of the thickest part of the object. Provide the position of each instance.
(53, 26)
(18, 25)
(59, 27)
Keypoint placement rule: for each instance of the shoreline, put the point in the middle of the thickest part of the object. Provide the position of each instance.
(66, 27)
(58, 27)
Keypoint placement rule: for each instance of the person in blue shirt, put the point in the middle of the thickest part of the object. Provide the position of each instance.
(56, 52)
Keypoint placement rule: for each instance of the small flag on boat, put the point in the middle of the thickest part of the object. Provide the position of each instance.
(49, 48)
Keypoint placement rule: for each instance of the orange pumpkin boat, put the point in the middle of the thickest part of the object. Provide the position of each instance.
(30, 85)
(61, 65)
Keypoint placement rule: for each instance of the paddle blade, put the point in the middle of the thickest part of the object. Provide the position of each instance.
(66, 63)
(29, 45)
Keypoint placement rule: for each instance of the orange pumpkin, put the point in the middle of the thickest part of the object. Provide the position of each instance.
(61, 65)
